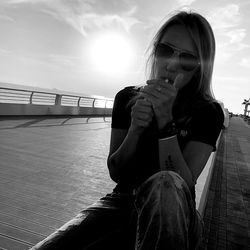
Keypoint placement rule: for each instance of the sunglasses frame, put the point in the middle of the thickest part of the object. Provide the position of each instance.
(177, 51)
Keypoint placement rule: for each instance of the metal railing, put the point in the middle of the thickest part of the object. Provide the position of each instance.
(17, 96)
(12, 96)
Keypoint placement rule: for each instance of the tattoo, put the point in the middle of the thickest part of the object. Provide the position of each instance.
(169, 163)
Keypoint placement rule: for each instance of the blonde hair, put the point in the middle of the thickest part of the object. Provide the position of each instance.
(202, 36)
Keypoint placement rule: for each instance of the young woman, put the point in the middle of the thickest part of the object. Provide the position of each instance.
(162, 136)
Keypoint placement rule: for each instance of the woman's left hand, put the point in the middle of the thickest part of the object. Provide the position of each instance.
(162, 96)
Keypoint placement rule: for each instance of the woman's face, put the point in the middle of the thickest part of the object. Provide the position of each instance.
(176, 54)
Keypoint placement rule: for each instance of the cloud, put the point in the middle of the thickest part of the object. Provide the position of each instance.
(233, 79)
(236, 35)
(13, 3)
(92, 20)
(245, 62)
(6, 18)
(233, 40)
(225, 17)
(83, 15)
(185, 2)
(62, 60)
(5, 52)
(226, 22)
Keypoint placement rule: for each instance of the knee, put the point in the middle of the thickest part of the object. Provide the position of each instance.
(162, 184)
(166, 179)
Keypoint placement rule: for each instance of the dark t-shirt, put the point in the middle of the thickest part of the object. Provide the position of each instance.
(204, 125)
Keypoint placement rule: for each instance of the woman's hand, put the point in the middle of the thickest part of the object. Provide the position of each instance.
(162, 96)
(141, 115)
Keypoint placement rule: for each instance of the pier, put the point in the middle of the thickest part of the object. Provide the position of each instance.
(53, 166)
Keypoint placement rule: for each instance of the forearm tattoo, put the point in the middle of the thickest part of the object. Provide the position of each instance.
(169, 163)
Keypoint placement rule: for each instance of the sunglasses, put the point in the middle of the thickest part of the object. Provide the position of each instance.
(188, 61)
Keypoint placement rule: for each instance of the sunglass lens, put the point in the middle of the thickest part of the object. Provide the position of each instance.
(163, 50)
(188, 62)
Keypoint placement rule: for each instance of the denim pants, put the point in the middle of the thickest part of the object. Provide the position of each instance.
(160, 215)
(167, 217)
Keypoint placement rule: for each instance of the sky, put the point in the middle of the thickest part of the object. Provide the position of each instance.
(98, 47)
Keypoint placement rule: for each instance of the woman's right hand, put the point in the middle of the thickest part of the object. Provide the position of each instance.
(141, 116)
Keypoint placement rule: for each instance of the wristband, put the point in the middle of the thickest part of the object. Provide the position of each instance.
(169, 131)
(167, 138)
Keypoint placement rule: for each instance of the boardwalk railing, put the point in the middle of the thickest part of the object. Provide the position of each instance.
(14, 102)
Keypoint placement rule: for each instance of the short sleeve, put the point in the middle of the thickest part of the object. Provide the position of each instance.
(206, 124)
(121, 113)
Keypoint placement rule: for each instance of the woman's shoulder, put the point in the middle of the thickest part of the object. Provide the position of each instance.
(124, 95)
(210, 110)
(213, 107)
(127, 91)
(121, 112)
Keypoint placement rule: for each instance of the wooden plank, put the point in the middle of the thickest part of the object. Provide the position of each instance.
(50, 170)
(41, 208)
(12, 244)
(20, 234)
(33, 216)
(28, 225)
(56, 202)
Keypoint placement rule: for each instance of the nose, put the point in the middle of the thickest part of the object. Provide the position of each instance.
(173, 63)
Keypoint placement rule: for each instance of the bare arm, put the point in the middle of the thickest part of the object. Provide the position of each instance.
(196, 155)
(123, 146)
(124, 143)
(188, 164)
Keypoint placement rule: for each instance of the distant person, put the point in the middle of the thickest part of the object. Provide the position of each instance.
(162, 136)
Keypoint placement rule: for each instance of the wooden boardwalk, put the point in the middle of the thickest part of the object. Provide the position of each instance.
(52, 168)
(227, 213)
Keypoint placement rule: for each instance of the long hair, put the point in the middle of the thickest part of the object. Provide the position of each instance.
(203, 39)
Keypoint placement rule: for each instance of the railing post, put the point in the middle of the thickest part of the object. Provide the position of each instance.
(58, 99)
(106, 101)
(78, 103)
(31, 95)
(93, 104)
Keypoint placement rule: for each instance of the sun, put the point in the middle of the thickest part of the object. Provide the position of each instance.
(111, 53)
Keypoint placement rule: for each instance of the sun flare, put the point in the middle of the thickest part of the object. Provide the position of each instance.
(111, 53)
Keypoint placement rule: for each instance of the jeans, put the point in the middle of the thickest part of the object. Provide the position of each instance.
(160, 215)
(167, 217)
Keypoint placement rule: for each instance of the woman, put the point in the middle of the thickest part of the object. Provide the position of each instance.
(162, 136)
